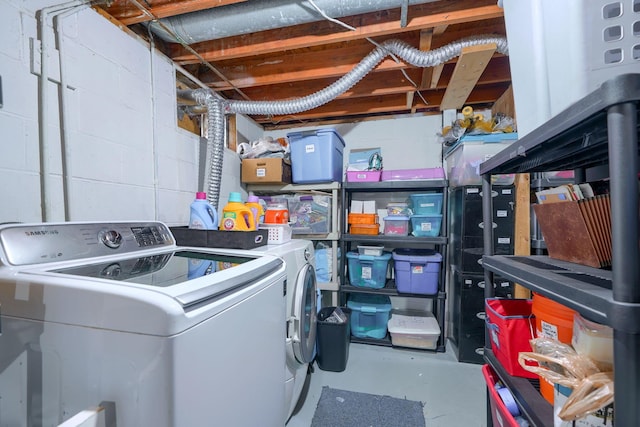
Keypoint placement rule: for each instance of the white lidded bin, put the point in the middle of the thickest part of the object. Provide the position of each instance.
(414, 329)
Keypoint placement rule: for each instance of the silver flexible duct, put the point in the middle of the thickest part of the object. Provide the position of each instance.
(215, 140)
(217, 106)
(399, 48)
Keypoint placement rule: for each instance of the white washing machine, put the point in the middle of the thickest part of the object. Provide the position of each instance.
(117, 313)
(301, 309)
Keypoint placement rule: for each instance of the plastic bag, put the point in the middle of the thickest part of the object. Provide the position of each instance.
(264, 147)
(337, 316)
(560, 364)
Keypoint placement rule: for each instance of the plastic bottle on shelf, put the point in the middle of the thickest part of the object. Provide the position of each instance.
(253, 202)
(236, 216)
(276, 214)
(202, 215)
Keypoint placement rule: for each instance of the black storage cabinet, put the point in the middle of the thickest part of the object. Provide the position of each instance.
(332, 341)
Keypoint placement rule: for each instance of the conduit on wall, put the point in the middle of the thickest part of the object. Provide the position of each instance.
(46, 155)
(217, 106)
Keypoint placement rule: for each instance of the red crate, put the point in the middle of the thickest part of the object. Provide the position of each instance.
(499, 413)
(511, 325)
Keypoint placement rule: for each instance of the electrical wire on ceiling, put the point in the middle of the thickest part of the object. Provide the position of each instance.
(369, 39)
(184, 44)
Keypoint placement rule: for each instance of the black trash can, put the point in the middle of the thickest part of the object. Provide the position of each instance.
(333, 341)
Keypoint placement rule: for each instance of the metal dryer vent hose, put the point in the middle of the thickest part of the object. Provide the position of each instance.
(399, 48)
(218, 106)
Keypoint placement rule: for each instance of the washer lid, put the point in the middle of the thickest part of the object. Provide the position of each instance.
(156, 293)
(302, 326)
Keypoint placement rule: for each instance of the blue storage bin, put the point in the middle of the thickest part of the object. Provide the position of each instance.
(316, 156)
(368, 271)
(426, 204)
(369, 315)
(426, 225)
(417, 271)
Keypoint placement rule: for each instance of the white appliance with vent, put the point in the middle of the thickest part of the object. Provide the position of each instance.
(559, 51)
(301, 309)
(117, 313)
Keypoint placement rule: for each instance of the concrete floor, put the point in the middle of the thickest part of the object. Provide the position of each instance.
(454, 394)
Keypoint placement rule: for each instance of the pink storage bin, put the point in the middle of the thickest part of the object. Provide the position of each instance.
(363, 176)
(411, 174)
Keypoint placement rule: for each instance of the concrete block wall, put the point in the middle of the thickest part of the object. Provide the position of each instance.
(406, 142)
(127, 158)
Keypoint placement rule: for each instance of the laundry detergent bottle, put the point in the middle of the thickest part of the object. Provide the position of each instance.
(253, 203)
(236, 216)
(202, 216)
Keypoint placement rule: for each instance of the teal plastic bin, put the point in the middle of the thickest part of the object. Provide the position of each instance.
(369, 315)
(368, 271)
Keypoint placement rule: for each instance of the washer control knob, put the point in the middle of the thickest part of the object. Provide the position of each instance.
(111, 238)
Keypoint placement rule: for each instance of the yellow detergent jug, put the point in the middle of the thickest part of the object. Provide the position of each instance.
(236, 216)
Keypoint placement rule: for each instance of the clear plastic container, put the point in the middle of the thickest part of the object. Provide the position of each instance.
(396, 225)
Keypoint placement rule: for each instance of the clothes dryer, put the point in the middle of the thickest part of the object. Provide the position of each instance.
(301, 309)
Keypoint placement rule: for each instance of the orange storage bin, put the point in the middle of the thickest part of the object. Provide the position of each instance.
(360, 218)
(553, 320)
(364, 229)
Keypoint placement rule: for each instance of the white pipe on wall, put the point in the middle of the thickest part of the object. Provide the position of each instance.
(64, 113)
(46, 155)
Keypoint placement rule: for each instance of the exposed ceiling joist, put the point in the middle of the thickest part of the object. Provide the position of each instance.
(383, 23)
(300, 60)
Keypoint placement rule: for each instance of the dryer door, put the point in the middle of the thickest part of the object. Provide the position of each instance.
(302, 326)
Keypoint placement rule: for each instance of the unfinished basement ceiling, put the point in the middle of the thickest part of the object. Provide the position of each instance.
(251, 58)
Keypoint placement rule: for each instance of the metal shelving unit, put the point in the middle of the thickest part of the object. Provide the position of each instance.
(600, 130)
(332, 189)
(441, 241)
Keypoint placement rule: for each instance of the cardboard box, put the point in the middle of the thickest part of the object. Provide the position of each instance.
(266, 171)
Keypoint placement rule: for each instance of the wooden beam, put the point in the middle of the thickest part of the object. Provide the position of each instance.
(435, 75)
(522, 232)
(410, 99)
(232, 142)
(395, 103)
(305, 66)
(130, 15)
(378, 83)
(430, 15)
(426, 39)
(505, 104)
(295, 75)
(471, 64)
(426, 36)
